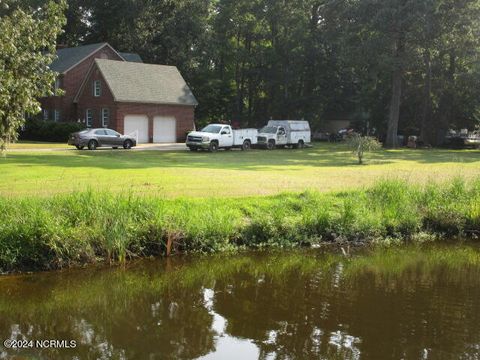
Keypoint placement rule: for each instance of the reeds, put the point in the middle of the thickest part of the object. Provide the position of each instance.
(65, 230)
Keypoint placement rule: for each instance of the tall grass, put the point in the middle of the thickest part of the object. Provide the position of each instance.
(94, 226)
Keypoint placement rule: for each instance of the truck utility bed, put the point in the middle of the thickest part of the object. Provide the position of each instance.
(239, 136)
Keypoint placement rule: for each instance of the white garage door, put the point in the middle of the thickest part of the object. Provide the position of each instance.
(138, 123)
(164, 129)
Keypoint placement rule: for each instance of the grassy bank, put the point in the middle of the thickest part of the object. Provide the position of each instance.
(323, 168)
(65, 230)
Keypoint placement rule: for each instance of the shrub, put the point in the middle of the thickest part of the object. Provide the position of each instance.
(361, 144)
(39, 130)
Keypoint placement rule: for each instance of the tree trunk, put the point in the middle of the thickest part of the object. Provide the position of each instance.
(392, 131)
(427, 131)
(446, 101)
(394, 114)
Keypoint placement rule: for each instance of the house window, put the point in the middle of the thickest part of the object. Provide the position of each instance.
(97, 88)
(57, 84)
(45, 114)
(56, 115)
(105, 117)
(89, 118)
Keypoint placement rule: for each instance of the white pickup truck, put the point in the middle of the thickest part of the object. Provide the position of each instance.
(295, 133)
(220, 136)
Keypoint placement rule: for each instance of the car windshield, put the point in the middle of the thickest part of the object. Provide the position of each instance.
(212, 129)
(268, 130)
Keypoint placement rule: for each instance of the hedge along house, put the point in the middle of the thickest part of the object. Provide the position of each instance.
(152, 101)
(106, 88)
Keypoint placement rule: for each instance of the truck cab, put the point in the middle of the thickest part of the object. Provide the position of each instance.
(272, 136)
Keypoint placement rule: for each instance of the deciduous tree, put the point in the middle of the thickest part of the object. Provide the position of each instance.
(27, 47)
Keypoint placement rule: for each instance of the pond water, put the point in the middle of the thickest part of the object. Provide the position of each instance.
(411, 303)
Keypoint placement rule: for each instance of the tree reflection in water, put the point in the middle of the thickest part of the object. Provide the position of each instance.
(411, 303)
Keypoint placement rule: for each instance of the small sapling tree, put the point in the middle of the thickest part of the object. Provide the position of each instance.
(362, 144)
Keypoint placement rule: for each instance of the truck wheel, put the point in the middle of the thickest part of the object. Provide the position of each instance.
(271, 144)
(247, 145)
(301, 144)
(92, 145)
(213, 146)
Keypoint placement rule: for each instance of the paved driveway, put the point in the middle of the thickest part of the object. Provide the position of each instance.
(141, 147)
(164, 147)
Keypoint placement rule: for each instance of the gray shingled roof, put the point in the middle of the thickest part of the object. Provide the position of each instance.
(145, 83)
(132, 57)
(68, 57)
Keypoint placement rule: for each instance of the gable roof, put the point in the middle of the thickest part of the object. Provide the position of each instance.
(69, 57)
(145, 83)
(132, 57)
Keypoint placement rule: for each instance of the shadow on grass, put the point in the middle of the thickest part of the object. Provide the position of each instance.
(321, 155)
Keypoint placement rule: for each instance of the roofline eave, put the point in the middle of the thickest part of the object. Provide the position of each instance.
(94, 51)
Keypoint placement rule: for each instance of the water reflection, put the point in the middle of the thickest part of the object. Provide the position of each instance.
(411, 304)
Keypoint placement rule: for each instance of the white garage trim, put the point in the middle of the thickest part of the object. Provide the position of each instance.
(164, 129)
(136, 123)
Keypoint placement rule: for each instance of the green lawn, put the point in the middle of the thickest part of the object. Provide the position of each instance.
(324, 167)
(27, 145)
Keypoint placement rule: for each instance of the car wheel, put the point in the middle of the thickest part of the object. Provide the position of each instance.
(79, 147)
(271, 145)
(301, 144)
(213, 146)
(92, 145)
(127, 144)
(247, 145)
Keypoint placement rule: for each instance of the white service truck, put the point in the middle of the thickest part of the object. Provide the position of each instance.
(220, 136)
(295, 133)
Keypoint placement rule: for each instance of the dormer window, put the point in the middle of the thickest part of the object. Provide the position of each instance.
(97, 88)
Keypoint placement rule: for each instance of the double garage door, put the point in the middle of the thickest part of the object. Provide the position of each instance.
(164, 128)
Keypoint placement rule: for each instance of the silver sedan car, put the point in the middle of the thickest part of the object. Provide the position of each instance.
(93, 138)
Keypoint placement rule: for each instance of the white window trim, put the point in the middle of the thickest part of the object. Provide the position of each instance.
(88, 114)
(97, 85)
(105, 110)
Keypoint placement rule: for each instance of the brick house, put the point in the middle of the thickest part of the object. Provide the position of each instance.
(105, 88)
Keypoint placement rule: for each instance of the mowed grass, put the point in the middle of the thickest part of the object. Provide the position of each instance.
(27, 145)
(324, 167)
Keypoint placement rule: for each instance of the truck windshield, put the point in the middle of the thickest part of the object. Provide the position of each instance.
(268, 130)
(212, 129)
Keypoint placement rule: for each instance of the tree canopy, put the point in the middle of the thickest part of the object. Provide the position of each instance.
(27, 47)
(405, 67)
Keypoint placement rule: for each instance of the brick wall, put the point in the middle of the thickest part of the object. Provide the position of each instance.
(88, 101)
(184, 116)
(71, 82)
